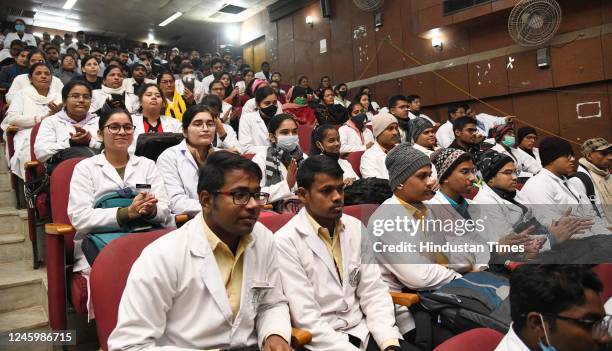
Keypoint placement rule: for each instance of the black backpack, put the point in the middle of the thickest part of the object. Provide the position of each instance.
(590, 189)
(367, 191)
(151, 145)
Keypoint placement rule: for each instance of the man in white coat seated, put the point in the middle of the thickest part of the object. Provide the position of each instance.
(556, 307)
(551, 195)
(412, 182)
(334, 292)
(213, 283)
(422, 136)
(386, 132)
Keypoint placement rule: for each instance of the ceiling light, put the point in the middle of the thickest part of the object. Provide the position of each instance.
(170, 19)
(69, 4)
(232, 33)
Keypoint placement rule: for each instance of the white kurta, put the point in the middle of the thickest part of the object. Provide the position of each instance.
(319, 301)
(94, 177)
(22, 81)
(350, 140)
(175, 298)
(99, 97)
(373, 163)
(28, 38)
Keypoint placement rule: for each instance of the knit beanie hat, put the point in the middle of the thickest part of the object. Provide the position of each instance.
(416, 127)
(402, 162)
(499, 131)
(523, 132)
(490, 162)
(381, 121)
(446, 159)
(552, 148)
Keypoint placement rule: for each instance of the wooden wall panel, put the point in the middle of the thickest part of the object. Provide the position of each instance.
(389, 59)
(538, 109)
(583, 101)
(580, 14)
(577, 62)
(285, 29)
(489, 33)
(384, 90)
(606, 44)
(447, 93)
(504, 104)
(423, 85)
(364, 44)
(525, 74)
(342, 64)
(488, 78)
(286, 63)
(432, 17)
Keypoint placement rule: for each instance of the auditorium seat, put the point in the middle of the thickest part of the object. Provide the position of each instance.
(361, 212)
(249, 156)
(479, 339)
(38, 211)
(354, 159)
(604, 272)
(10, 147)
(275, 222)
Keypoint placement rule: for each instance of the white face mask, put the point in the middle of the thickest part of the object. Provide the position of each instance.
(287, 142)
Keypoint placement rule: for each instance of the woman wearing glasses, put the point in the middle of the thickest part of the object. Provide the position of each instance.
(70, 132)
(30, 106)
(179, 164)
(114, 171)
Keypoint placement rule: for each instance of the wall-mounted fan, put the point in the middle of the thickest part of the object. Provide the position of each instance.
(369, 5)
(534, 22)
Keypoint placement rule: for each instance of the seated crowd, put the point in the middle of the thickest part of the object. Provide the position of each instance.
(235, 153)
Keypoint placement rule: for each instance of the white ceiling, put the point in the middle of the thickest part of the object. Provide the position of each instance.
(135, 19)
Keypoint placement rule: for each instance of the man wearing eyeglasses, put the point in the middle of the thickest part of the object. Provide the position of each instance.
(466, 135)
(213, 283)
(556, 308)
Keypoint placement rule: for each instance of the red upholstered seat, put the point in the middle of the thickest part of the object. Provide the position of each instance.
(354, 159)
(604, 272)
(274, 223)
(249, 156)
(38, 212)
(479, 339)
(305, 134)
(472, 194)
(109, 276)
(362, 212)
(78, 293)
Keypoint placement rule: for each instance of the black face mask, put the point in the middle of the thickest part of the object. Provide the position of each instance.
(343, 94)
(359, 120)
(269, 111)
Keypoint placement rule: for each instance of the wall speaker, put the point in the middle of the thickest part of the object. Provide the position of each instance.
(543, 57)
(326, 8)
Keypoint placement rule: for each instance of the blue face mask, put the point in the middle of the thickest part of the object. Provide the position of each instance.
(20, 28)
(509, 140)
(540, 343)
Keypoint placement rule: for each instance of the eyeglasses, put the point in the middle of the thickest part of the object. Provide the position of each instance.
(600, 328)
(471, 130)
(85, 97)
(509, 172)
(200, 124)
(242, 197)
(115, 128)
(468, 171)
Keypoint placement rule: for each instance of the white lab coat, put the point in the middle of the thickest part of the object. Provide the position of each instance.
(425, 150)
(261, 75)
(518, 151)
(28, 38)
(485, 122)
(231, 139)
(251, 106)
(339, 101)
(545, 188)
(175, 298)
(347, 168)
(206, 83)
(22, 81)
(180, 174)
(169, 125)
(128, 83)
(525, 165)
(422, 115)
(94, 177)
(279, 190)
(373, 163)
(24, 113)
(398, 272)
(318, 301)
(54, 136)
(511, 342)
(198, 89)
(350, 140)
(99, 97)
(253, 133)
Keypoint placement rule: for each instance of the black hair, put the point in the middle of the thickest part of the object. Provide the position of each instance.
(318, 134)
(230, 86)
(548, 289)
(16, 42)
(216, 60)
(321, 80)
(212, 174)
(73, 83)
(36, 51)
(111, 48)
(326, 89)
(36, 65)
(395, 99)
(245, 71)
(275, 72)
(215, 81)
(453, 109)
(163, 73)
(265, 63)
(185, 65)
(123, 51)
(461, 122)
(262, 93)
(277, 120)
(105, 116)
(64, 56)
(108, 70)
(51, 47)
(410, 98)
(86, 59)
(339, 85)
(351, 106)
(146, 86)
(214, 102)
(317, 164)
(464, 106)
(96, 49)
(192, 112)
(300, 78)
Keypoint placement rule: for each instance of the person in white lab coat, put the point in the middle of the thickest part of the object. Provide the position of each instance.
(23, 80)
(113, 93)
(138, 79)
(364, 100)
(326, 140)
(505, 142)
(226, 138)
(445, 134)
(550, 187)
(19, 34)
(251, 105)
(30, 106)
(385, 129)
(545, 319)
(279, 162)
(354, 135)
(265, 72)
(332, 291)
(213, 283)
(176, 104)
(484, 122)
(179, 164)
(217, 88)
(422, 136)
(187, 76)
(70, 128)
(412, 182)
(253, 131)
(414, 109)
(216, 67)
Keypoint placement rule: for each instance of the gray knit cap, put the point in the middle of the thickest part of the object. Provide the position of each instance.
(402, 162)
(417, 127)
